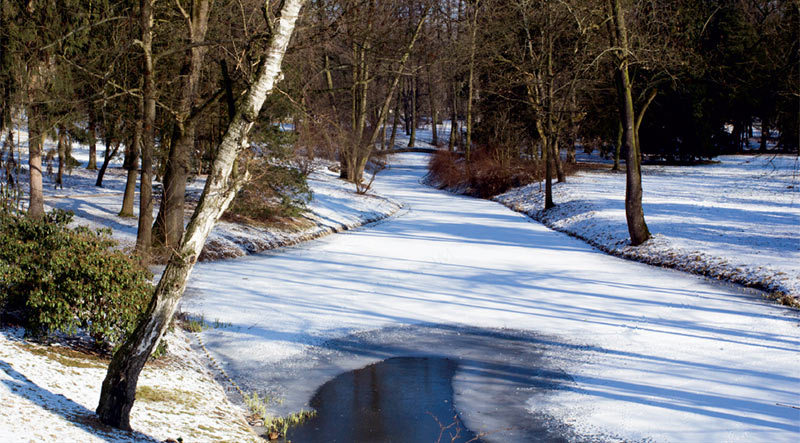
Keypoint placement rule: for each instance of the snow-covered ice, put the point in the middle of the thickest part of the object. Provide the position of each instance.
(647, 353)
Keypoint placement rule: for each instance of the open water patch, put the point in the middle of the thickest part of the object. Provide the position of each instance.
(500, 375)
(401, 399)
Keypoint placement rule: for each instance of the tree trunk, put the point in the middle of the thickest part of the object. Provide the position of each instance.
(35, 144)
(119, 387)
(618, 147)
(559, 164)
(61, 149)
(764, 133)
(547, 154)
(168, 228)
(453, 121)
(639, 117)
(470, 81)
(412, 139)
(637, 228)
(111, 151)
(434, 111)
(131, 164)
(145, 229)
(92, 140)
(407, 110)
(395, 120)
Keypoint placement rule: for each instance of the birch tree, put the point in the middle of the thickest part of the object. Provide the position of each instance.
(224, 180)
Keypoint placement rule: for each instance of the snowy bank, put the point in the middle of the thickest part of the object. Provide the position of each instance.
(49, 393)
(335, 208)
(736, 220)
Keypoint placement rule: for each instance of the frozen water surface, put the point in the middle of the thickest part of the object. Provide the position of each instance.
(549, 334)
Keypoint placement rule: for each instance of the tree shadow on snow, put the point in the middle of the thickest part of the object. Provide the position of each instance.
(70, 410)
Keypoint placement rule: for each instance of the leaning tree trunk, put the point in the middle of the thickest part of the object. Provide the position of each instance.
(119, 387)
(637, 228)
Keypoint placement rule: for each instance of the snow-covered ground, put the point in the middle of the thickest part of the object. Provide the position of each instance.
(545, 328)
(47, 396)
(49, 393)
(335, 206)
(623, 351)
(737, 219)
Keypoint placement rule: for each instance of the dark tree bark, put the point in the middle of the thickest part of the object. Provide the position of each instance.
(453, 120)
(119, 387)
(637, 227)
(168, 228)
(92, 139)
(434, 111)
(61, 149)
(412, 139)
(395, 121)
(618, 147)
(471, 80)
(144, 233)
(131, 164)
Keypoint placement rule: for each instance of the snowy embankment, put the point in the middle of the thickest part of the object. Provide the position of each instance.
(736, 220)
(50, 392)
(335, 207)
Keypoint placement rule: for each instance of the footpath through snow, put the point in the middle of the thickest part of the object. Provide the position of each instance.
(618, 349)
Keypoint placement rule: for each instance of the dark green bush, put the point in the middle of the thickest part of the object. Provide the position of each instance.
(59, 279)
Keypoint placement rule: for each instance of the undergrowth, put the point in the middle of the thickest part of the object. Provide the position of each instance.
(487, 174)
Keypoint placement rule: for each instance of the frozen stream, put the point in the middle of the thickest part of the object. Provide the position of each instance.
(551, 336)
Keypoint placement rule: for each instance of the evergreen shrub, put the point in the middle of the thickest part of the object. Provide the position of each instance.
(59, 279)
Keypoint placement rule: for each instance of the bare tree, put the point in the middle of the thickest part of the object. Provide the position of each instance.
(637, 227)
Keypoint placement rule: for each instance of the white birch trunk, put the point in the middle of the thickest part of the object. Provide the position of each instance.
(119, 386)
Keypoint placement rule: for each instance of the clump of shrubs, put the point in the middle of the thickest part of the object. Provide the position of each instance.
(54, 278)
(488, 173)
